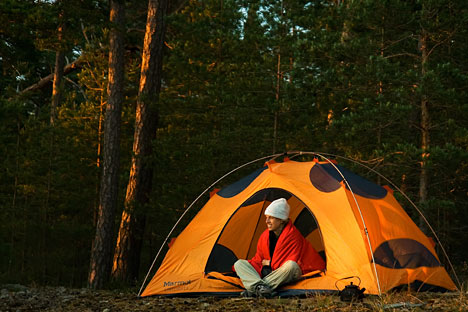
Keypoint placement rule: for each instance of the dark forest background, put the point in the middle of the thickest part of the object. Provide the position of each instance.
(384, 82)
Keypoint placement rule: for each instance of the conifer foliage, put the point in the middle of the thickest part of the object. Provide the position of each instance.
(380, 81)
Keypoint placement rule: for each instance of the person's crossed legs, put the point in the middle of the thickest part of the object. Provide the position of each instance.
(254, 284)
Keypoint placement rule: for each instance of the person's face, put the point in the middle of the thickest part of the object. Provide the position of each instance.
(273, 223)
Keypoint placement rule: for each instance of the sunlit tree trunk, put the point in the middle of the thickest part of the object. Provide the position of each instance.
(127, 251)
(58, 77)
(101, 253)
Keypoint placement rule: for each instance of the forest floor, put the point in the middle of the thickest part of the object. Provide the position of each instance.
(22, 298)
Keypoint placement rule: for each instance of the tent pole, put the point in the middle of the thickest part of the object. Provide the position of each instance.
(419, 212)
(362, 219)
(298, 153)
(452, 268)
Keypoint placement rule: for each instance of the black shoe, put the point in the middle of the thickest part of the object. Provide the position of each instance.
(263, 291)
(247, 294)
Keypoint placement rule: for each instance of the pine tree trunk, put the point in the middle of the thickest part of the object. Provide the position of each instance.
(101, 253)
(277, 98)
(129, 241)
(425, 135)
(55, 102)
(58, 77)
(98, 156)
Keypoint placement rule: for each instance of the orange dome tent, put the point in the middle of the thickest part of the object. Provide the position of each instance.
(358, 227)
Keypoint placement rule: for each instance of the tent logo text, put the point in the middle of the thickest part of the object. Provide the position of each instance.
(176, 283)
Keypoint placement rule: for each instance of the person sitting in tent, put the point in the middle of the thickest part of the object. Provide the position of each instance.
(283, 255)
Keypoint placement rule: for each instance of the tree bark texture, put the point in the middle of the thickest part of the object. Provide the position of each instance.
(425, 135)
(425, 125)
(101, 254)
(129, 241)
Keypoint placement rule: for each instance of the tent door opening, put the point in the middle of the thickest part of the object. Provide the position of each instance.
(238, 239)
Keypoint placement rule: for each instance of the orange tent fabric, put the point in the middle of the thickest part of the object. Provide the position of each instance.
(332, 207)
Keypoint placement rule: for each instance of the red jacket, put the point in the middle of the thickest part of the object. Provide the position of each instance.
(291, 245)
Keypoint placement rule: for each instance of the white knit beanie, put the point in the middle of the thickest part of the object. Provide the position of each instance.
(279, 209)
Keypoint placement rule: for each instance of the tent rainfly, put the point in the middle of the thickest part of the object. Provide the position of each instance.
(357, 226)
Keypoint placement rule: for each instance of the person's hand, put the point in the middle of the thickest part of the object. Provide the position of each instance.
(265, 262)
